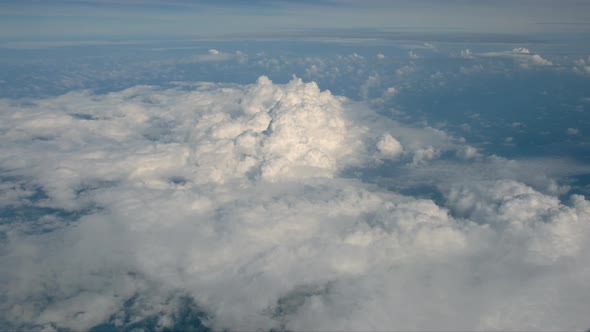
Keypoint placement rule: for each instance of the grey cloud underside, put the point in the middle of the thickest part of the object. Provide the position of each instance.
(270, 206)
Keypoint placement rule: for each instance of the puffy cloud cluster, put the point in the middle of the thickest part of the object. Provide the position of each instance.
(523, 56)
(389, 146)
(214, 55)
(466, 54)
(413, 56)
(582, 66)
(241, 202)
(521, 50)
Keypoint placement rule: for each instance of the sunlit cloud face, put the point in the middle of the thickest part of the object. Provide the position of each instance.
(236, 202)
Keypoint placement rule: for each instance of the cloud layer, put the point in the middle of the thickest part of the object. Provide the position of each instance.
(273, 206)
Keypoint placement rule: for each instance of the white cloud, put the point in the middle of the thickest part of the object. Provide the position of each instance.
(422, 156)
(468, 152)
(371, 82)
(389, 146)
(582, 66)
(423, 46)
(523, 56)
(405, 70)
(241, 197)
(538, 60)
(521, 50)
(380, 56)
(466, 54)
(389, 92)
(214, 55)
(413, 55)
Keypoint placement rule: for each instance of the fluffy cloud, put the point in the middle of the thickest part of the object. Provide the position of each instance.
(413, 56)
(389, 146)
(242, 204)
(582, 66)
(523, 56)
(214, 55)
(521, 50)
(466, 54)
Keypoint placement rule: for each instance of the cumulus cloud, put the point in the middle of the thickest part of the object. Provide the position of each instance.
(405, 70)
(214, 55)
(370, 83)
(240, 203)
(582, 66)
(466, 54)
(523, 56)
(422, 156)
(389, 92)
(389, 146)
(413, 55)
(468, 152)
(521, 50)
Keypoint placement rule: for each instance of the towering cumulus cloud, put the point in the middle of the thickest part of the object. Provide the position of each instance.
(267, 206)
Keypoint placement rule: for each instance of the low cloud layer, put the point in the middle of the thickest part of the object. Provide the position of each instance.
(274, 206)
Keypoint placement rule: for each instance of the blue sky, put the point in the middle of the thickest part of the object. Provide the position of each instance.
(143, 18)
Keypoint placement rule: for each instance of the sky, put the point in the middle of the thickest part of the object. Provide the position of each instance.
(332, 165)
(142, 19)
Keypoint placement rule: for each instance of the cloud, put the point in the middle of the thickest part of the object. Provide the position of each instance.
(582, 66)
(413, 56)
(468, 152)
(422, 156)
(371, 82)
(274, 206)
(389, 92)
(389, 146)
(523, 56)
(423, 46)
(405, 70)
(214, 55)
(521, 50)
(466, 54)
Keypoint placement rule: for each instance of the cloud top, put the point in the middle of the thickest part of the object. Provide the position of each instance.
(244, 204)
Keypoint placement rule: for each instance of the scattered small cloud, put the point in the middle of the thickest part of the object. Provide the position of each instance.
(468, 152)
(389, 147)
(466, 54)
(214, 55)
(424, 155)
(413, 55)
(521, 50)
(582, 66)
